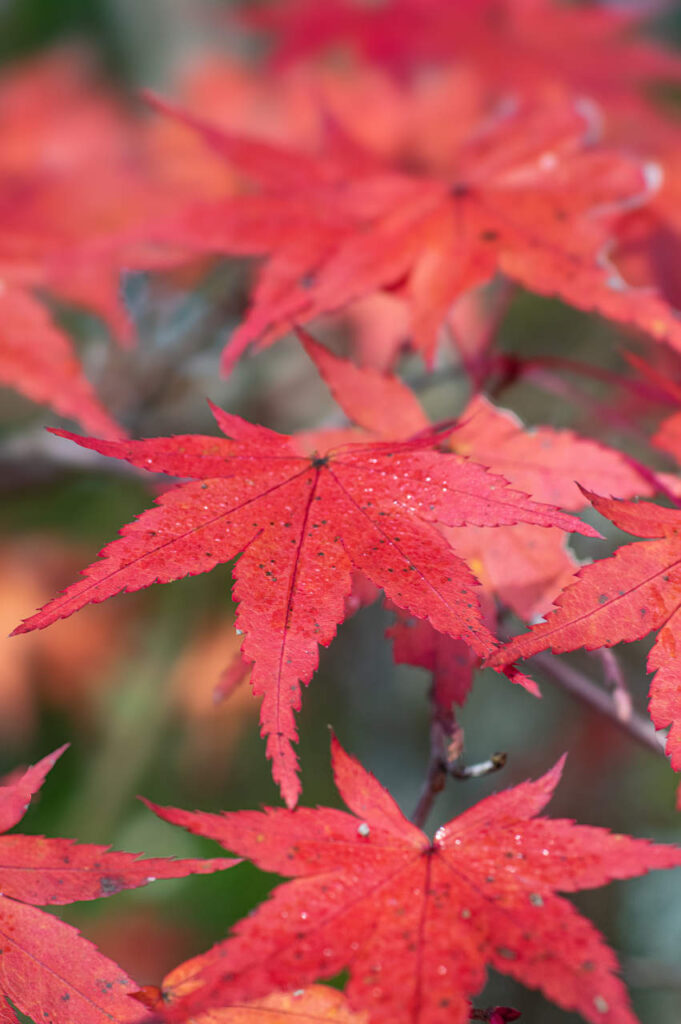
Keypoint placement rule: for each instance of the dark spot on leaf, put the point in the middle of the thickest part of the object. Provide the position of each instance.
(506, 954)
(109, 885)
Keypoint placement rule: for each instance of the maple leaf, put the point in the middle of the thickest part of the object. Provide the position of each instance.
(74, 184)
(38, 359)
(304, 523)
(623, 598)
(62, 135)
(452, 663)
(523, 565)
(415, 921)
(524, 196)
(48, 969)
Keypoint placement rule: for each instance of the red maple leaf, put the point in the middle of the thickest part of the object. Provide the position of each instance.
(623, 598)
(49, 970)
(415, 921)
(524, 196)
(75, 192)
(524, 566)
(451, 663)
(59, 130)
(37, 358)
(304, 523)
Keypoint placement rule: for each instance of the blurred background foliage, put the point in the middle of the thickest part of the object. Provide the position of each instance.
(130, 683)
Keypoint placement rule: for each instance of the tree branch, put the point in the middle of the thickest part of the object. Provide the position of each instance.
(436, 776)
(580, 686)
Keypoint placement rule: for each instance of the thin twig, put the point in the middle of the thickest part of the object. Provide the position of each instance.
(616, 683)
(478, 771)
(580, 686)
(436, 776)
(446, 749)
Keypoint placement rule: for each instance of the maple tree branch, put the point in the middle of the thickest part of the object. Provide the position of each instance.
(446, 748)
(641, 389)
(619, 711)
(616, 683)
(436, 776)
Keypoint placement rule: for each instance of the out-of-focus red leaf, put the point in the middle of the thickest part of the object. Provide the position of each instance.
(37, 358)
(519, 44)
(529, 196)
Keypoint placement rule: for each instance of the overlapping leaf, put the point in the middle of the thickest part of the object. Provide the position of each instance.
(37, 359)
(525, 196)
(49, 971)
(63, 137)
(317, 1004)
(623, 598)
(524, 566)
(515, 43)
(304, 523)
(415, 921)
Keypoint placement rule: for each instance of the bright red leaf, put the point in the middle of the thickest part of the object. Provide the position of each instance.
(623, 598)
(416, 921)
(49, 970)
(304, 523)
(524, 566)
(546, 462)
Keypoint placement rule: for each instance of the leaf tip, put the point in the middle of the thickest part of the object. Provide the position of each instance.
(550, 780)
